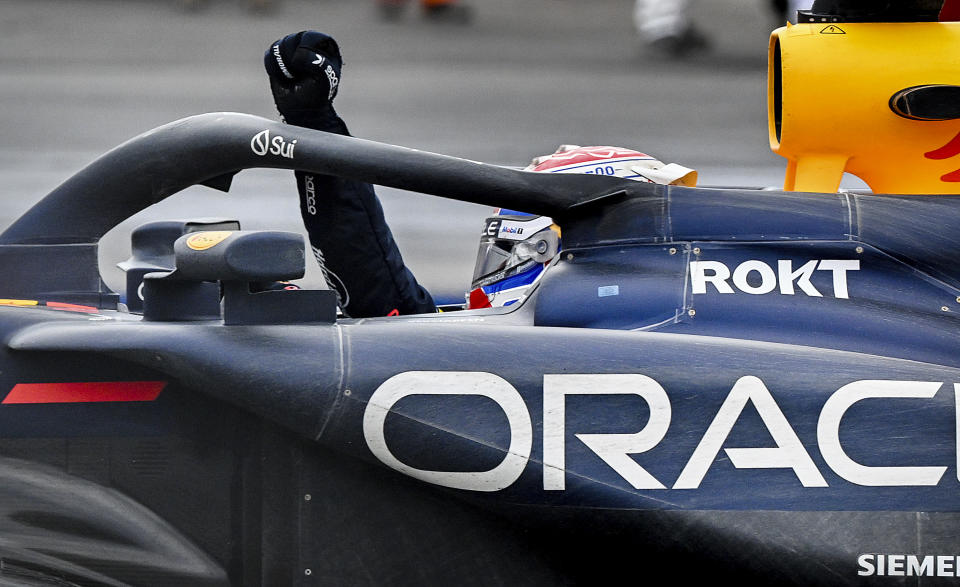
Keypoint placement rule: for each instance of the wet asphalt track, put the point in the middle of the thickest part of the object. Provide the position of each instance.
(77, 77)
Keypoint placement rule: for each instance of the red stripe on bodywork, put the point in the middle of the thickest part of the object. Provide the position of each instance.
(71, 307)
(94, 391)
(951, 149)
(950, 11)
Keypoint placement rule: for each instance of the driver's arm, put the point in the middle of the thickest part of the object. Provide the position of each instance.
(343, 218)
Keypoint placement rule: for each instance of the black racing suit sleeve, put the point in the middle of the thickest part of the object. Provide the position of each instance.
(353, 244)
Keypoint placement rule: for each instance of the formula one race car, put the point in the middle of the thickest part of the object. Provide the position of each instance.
(710, 383)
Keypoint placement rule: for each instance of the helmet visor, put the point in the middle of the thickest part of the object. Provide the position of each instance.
(500, 258)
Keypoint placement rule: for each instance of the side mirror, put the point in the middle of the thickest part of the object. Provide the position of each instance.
(250, 256)
(151, 245)
(239, 260)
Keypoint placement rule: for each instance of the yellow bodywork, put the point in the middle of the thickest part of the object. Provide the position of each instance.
(829, 88)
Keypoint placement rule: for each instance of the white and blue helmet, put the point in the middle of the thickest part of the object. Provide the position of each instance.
(516, 248)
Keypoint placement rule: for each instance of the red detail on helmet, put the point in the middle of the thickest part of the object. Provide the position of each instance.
(951, 149)
(478, 300)
(587, 155)
(93, 391)
(394, 312)
(950, 11)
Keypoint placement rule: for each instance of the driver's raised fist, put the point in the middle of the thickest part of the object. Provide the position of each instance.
(304, 70)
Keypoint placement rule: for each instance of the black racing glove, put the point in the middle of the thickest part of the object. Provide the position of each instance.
(304, 70)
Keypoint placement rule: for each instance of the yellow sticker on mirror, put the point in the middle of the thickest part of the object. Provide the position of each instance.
(201, 241)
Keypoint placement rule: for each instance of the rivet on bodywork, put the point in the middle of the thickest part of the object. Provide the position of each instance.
(696, 250)
(307, 497)
(691, 312)
(673, 250)
(859, 250)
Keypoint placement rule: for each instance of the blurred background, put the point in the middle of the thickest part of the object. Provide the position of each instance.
(78, 77)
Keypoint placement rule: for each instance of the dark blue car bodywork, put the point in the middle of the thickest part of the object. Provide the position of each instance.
(709, 383)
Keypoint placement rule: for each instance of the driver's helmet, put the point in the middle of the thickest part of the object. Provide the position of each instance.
(516, 248)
